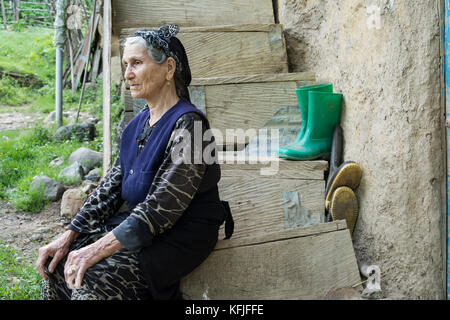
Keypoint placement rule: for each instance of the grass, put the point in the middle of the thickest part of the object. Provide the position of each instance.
(27, 153)
(31, 52)
(18, 279)
(28, 52)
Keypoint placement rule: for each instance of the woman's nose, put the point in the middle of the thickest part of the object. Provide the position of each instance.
(128, 74)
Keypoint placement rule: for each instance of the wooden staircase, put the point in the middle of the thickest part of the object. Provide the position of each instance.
(240, 80)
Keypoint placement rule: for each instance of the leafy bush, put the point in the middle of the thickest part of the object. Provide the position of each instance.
(18, 26)
(11, 93)
(31, 201)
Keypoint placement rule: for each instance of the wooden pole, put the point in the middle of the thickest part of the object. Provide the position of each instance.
(69, 42)
(16, 10)
(106, 86)
(4, 15)
(90, 37)
(13, 8)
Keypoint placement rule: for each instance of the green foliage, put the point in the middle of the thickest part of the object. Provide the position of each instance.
(18, 26)
(30, 52)
(27, 153)
(31, 201)
(43, 15)
(43, 58)
(18, 280)
(12, 94)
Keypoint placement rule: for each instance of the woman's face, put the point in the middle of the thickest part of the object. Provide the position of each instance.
(145, 77)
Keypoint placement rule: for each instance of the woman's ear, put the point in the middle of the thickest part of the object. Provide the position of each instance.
(171, 66)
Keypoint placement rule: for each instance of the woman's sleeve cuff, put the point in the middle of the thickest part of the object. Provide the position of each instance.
(133, 234)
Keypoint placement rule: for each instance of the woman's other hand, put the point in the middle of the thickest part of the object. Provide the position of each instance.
(78, 261)
(57, 250)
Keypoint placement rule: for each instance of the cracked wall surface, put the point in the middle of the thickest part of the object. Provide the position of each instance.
(389, 72)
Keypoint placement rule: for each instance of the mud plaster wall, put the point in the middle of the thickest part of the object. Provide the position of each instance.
(392, 119)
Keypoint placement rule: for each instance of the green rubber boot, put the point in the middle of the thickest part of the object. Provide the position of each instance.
(302, 98)
(324, 111)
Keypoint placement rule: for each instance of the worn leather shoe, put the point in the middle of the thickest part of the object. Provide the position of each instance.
(344, 206)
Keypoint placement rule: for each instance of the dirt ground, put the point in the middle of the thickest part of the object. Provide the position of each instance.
(10, 121)
(26, 232)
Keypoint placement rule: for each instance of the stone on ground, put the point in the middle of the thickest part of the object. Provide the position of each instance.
(52, 189)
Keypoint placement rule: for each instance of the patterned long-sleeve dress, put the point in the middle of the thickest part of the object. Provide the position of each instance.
(164, 237)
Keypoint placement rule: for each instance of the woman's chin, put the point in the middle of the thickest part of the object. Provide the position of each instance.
(135, 94)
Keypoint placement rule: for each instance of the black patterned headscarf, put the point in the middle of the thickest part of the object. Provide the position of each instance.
(164, 39)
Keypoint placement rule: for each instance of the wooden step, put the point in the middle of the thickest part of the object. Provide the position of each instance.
(136, 13)
(230, 50)
(302, 263)
(255, 193)
(239, 102)
(246, 102)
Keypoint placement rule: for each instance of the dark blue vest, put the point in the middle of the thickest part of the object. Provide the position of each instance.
(138, 171)
(177, 251)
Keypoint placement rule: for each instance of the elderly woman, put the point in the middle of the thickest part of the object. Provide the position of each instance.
(155, 216)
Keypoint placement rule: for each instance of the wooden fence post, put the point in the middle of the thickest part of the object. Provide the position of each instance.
(16, 10)
(4, 15)
(106, 86)
(12, 4)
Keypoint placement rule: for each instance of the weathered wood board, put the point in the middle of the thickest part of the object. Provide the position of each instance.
(248, 103)
(302, 263)
(256, 204)
(254, 192)
(135, 13)
(286, 169)
(236, 50)
(244, 102)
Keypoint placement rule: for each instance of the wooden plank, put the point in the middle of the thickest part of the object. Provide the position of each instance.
(247, 106)
(136, 13)
(33, 10)
(96, 63)
(233, 166)
(16, 10)
(4, 15)
(106, 58)
(220, 53)
(254, 78)
(297, 268)
(81, 61)
(257, 206)
(126, 32)
(88, 57)
(35, 3)
(282, 235)
(197, 97)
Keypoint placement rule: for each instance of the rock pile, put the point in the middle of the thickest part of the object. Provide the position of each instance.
(83, 167)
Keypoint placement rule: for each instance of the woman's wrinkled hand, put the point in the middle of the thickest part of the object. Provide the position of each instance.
(78, 261)
(56, 249)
